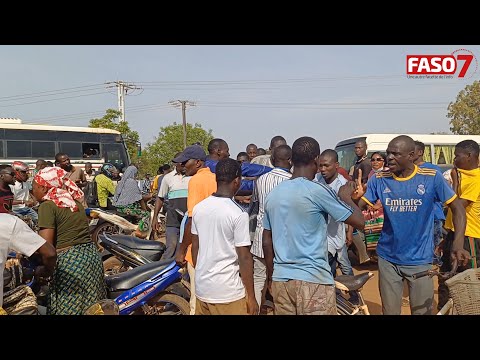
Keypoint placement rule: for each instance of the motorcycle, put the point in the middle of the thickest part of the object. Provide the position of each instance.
(156, 288)
(102, 221)
(151, 289)
(122, 252)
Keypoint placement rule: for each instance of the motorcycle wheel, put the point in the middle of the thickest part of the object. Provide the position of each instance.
(106, 227)
(168, 304)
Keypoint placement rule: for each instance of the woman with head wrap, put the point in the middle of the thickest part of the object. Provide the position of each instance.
(78, 280)
(129, 200)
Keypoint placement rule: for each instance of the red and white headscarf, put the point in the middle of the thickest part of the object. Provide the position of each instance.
(61, 190)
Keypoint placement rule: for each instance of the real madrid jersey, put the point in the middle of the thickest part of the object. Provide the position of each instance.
(408, 205)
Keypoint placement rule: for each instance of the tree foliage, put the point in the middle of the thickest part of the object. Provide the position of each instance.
(110, 121)
(465, 111)
(168, 143)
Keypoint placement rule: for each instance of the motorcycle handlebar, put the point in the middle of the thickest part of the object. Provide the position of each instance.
(421, 274)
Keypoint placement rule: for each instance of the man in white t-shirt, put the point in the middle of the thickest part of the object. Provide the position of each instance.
(22, 203)
(336, 231)
(17, 236)
(221, 249)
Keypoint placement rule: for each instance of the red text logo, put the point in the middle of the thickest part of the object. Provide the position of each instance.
(459, 63)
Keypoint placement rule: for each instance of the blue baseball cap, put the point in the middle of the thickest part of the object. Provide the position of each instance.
(191, 152)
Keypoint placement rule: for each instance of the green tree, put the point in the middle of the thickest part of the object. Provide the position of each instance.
(465, 111)
(110, 121)
(169, 142)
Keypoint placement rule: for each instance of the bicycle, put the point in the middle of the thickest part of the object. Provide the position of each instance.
(346, 284)
(463, 288)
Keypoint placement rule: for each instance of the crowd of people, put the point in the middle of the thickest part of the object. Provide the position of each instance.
(275, 224)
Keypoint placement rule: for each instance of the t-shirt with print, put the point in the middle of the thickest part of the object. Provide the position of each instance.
(408, 203)
(201, 185)
(469, 189)
(71, 228)
(221, 226)
(296, 211)
(438, 213)
(6, 198)
(16, 236)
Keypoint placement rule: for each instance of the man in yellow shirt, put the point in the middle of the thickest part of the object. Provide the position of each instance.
(466, 183)
(201, 185)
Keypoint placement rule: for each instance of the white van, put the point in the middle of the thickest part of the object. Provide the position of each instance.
(439, 149)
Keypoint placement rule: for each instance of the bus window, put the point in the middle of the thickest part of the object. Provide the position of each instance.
(444, 154)
(73, 150)
(78, 136)
(91, 151)
(1, 148)
(115, 154)
(19, 149)
(16, 134)
(43, 149)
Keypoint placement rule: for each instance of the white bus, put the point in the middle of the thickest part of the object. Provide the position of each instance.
(439, 149)
(28, 143)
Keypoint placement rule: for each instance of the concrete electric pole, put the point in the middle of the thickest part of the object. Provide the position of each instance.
(122, 89)
(183, 104)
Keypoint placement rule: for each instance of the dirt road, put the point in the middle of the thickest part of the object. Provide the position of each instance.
(371, 293)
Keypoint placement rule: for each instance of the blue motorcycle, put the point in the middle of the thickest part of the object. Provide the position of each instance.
(152, 289)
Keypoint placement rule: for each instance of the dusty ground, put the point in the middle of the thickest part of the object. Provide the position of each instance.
(371, 293)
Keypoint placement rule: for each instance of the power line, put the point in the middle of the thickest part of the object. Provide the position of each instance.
(45, 93)
(123, 88)
(47, 100)
(183, 104)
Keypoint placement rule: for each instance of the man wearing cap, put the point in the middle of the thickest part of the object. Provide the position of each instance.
(201, 185)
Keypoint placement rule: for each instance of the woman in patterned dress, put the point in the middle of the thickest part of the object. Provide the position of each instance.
(78, 280)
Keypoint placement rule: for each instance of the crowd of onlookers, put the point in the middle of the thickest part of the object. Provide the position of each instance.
(273, 223)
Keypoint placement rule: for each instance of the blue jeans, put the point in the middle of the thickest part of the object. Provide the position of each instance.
(27, 211)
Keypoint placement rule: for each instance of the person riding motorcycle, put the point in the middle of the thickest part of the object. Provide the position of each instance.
(105, 186)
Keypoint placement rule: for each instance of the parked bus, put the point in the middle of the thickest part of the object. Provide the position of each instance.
(439, 149)
(28, 143)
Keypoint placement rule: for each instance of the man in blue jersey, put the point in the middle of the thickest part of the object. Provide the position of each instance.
(294, 238)
(438, 214)
(408, 195)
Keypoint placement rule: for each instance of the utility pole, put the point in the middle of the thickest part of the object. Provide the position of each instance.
(122, 90)
(183, 104)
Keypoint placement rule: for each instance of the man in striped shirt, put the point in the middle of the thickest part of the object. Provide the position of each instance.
(282, 164)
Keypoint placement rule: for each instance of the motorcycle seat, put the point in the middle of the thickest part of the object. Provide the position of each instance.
(133, 242)
(131, 278)
(353, 282)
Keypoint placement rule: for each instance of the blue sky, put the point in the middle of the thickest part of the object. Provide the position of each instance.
(243, 93)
